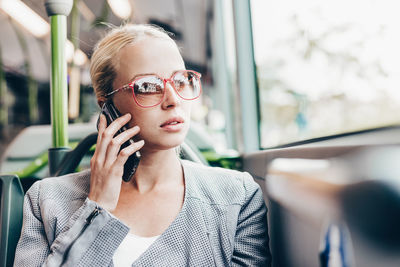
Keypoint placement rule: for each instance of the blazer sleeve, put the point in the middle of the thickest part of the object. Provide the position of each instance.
(90, 238)
(251, 246)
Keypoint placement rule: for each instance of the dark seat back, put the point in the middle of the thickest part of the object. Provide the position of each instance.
(12, 198)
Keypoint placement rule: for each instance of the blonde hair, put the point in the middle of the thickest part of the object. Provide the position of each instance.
(103, 66)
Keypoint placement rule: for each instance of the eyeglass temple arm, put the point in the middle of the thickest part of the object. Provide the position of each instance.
(117, 90)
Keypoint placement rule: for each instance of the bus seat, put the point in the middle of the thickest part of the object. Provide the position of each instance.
(12, 198)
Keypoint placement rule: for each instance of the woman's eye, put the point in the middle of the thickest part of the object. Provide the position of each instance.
(181, 83)
(148, 88)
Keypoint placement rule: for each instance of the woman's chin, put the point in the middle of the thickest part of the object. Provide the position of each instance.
(164, 144)
(164, 141)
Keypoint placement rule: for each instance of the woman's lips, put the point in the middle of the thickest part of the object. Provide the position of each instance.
(173, 124)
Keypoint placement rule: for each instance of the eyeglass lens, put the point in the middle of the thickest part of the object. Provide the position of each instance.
(149, 90)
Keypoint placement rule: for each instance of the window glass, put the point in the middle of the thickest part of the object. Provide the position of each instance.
(326, 67)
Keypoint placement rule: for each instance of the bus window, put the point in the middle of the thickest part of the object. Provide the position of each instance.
(325, 67)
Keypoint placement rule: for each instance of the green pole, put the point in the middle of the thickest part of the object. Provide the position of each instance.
(58, 10)
(59, 96)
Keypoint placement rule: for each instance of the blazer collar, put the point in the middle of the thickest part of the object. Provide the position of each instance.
(191, 176)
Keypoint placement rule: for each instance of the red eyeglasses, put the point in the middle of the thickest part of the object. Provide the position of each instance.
(149, 90)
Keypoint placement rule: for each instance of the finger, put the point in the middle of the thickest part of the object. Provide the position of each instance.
(126, 135)
(117, 124)
(101, 127)
(126, 152)
(108, 134)
(115, 144)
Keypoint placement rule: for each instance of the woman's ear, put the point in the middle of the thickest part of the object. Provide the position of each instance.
(100, 102)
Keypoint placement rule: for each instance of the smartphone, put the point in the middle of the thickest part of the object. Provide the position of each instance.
(131, 165)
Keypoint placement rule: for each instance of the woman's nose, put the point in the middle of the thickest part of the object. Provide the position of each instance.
(171, 97)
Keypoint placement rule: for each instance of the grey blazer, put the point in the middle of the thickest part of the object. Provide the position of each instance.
(222, 223)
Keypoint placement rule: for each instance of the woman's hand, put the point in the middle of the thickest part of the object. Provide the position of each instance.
(107, 163)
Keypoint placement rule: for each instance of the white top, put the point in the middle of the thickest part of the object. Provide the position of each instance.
(131, 248)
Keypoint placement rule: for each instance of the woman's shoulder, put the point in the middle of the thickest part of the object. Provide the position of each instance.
(218, 185)
(67, 187)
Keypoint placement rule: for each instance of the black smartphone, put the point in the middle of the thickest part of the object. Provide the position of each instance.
(132, 163)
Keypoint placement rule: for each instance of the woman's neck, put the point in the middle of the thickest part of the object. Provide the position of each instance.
(157, 168)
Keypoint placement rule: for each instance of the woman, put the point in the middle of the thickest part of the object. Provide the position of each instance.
(173, 212)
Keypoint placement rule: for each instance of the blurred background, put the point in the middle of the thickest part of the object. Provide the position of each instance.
(25, 53)
(326, 67)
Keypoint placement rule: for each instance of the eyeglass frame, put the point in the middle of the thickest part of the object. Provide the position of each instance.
(170, 80)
